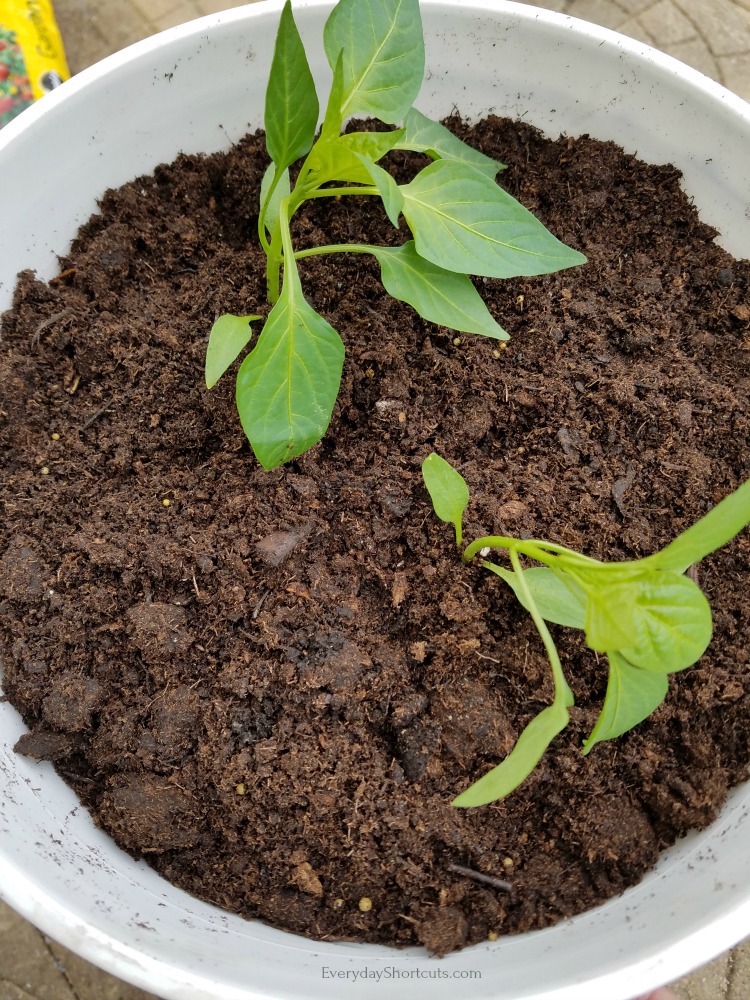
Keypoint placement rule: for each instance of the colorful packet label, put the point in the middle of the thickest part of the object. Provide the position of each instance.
(32, 59)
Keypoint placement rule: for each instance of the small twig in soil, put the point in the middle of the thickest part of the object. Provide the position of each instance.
(96, 415)
(46, 324)
(260, 604)
(496, 883)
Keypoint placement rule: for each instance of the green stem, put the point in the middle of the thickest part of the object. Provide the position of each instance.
(281, 250)
(337, 192)
(535, 548)
(563, 694)
(336, 248)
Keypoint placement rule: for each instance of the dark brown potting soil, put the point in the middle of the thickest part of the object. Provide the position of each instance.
(271, 685)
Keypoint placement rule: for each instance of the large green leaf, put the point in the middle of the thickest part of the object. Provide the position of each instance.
(383, 55)
(291, 114)
(464, 222)
(718, 527)
(287, 386)
(229, 335)
(448, 491)
(557, 601)
(672, 623)
(440, 296)
(632, 695)
(423, 135)
(521, 761)
(610, 615)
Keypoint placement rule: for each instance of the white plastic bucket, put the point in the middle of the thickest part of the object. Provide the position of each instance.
(197, 88)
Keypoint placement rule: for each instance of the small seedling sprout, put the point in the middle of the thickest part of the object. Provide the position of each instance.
(461, 221)
(645, 615)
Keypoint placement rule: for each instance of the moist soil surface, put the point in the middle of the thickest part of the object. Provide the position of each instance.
(272, 684)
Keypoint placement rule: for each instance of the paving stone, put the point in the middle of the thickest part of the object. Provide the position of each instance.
(634, 7)
(185, 11)
(215, 6)
(604, 12)
(9, 991)
(27, 963)
(152, 10)
(708, 983)
(696, 54)
(735, 75)
(634, 28)
(666, 22)
(724, 25)
(739, 972)
(90, 983)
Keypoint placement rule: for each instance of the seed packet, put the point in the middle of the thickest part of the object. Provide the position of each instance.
(32, 59)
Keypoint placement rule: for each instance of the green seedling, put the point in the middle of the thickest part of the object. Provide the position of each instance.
(645, 615)
(461, 221)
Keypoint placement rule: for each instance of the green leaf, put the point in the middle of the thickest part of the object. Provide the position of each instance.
(464, 222)
(339, 157)
(672, 623)
(334, 117)
(331, 160)
(291, 114)
(383, 55)
(270, 207)
(717, 528)
(287, 386)
(448, 491)
(440, 296)
(423, 135)
(229, 335)
(521, 761)
(632, 695)
(390, 192)
(610, 615)
(558, 601)
(374, 145)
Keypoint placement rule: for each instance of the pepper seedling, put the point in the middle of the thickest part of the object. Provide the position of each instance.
(645, 615)
(461, 221)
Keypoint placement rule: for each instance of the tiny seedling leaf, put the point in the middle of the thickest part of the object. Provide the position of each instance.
(672, 623)
(713, 530)
(440, 296)
(448, 491)
(291, 113)
(557, 601)
(229, 336)
(383, 55)
(462, 221)
(423, 135)
(632, 695)
(520, 762)
(287, 386)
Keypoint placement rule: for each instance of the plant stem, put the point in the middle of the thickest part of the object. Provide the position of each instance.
(563, 694)
(335, 248)
(281, 239)
(337, 192)
(544, 552)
